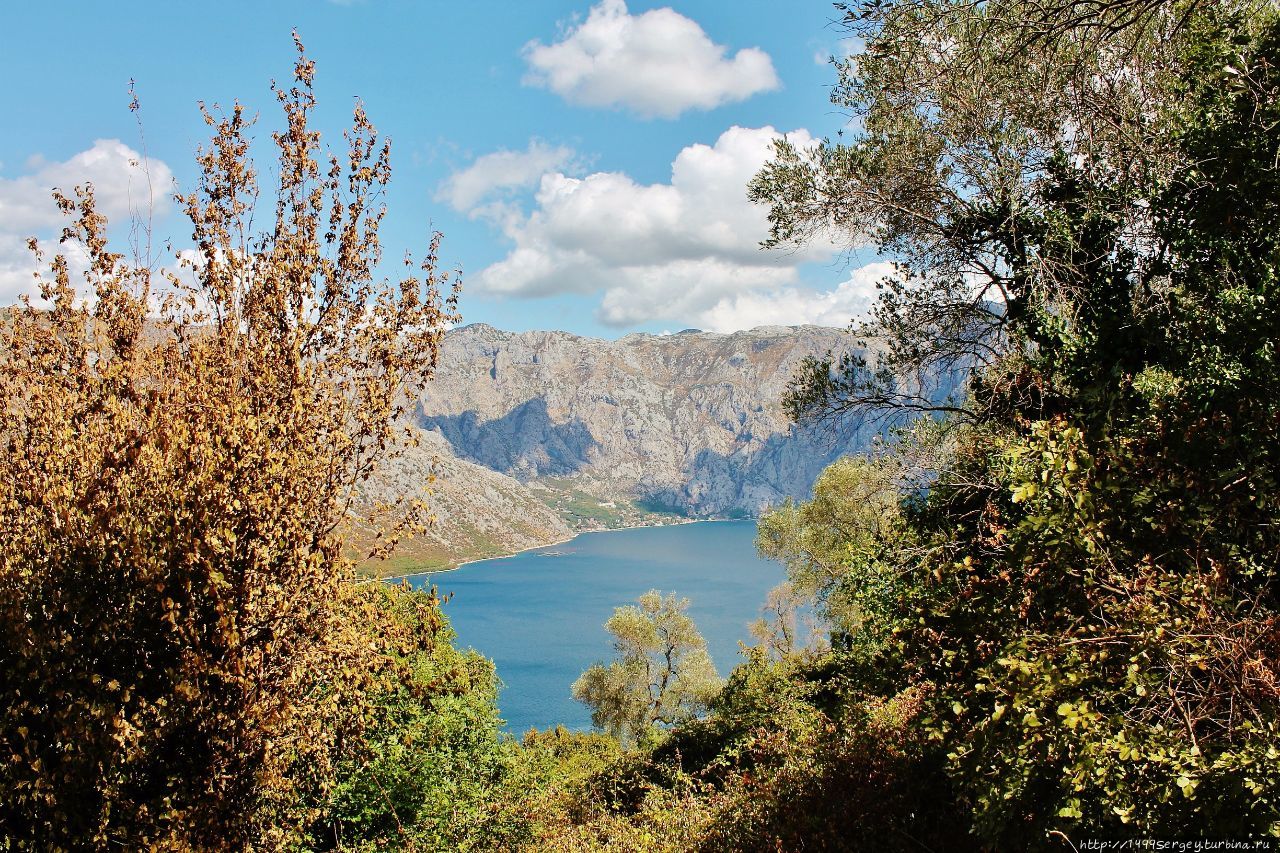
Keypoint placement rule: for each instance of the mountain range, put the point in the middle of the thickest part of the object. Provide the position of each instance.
(533, 436)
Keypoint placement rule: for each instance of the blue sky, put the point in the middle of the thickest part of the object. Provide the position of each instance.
(585, 161)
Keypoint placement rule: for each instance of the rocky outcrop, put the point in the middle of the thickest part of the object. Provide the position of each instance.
(690, 422)
(477, 512)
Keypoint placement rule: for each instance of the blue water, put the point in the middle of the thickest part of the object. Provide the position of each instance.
(540, 614)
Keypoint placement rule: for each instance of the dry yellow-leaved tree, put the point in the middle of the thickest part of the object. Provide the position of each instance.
(183, 652)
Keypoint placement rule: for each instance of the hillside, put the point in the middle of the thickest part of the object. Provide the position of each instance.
(478, 513)
(536, 434)
(689, 422)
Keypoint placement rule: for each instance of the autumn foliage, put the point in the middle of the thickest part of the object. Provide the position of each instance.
(183, 652)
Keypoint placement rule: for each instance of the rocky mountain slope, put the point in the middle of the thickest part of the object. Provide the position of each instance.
(478, 513)
(689, 422)
(538, 432)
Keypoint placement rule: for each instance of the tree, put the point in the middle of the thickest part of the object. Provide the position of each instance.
(435, 761)
(663, 673)
(184, 655)
(777, 630)
(1083, 593)
(985, 132)
(853, 512)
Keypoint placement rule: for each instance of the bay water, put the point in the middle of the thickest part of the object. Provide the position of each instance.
(540, 614)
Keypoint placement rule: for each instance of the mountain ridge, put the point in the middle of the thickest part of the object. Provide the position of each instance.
(641, 429)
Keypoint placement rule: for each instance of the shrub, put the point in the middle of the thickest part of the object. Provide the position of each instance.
(181, 645)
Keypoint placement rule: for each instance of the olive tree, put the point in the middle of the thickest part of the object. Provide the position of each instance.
(662, 674)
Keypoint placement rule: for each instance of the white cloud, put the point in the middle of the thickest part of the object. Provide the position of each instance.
(839, 51)
(116, 171)
(852, 299)
(657, 251)
(500, 173)
(16, 268)
(121, 189)
(658, 64)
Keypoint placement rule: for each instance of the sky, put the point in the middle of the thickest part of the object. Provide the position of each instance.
(586, 162)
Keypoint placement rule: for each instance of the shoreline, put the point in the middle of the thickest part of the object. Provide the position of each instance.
(557, 542)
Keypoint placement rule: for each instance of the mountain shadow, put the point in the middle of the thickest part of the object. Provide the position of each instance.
(750, 479)
(524, 443)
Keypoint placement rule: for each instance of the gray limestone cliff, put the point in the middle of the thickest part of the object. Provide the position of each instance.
(689, 423)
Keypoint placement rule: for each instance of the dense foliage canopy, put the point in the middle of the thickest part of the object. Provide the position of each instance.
(185, 657)
(1053, 604)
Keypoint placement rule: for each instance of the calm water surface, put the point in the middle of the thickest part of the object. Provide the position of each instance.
(540, 615)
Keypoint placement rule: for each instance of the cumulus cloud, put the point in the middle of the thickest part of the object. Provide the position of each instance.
(654, 251)
(16, 268)
(116, 171)
(500, 173)
(122, 186)
(657, 64)
(851, 300)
